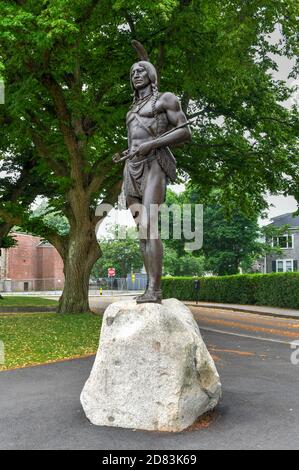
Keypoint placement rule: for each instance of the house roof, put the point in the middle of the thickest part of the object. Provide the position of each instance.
(44, 243)
(285, 219)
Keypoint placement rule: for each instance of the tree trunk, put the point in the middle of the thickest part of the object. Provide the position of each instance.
(4, 231)
(81, 249)
(82, 252)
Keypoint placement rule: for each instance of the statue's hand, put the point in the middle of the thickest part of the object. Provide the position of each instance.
(118, 157)
(145, 148)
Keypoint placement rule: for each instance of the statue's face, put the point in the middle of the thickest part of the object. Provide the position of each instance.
(139, 77)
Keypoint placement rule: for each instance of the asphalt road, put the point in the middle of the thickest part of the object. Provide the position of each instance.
(40, 408)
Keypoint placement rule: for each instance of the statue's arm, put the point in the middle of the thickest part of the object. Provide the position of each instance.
(128, 130)
(172, 106)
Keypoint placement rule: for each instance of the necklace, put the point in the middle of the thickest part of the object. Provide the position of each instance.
(140, 102)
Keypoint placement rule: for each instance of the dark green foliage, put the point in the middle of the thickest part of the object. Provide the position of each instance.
(123, 255)
(65, 64)
(6, 241)
(185, 265)
(279, 289)
(231, 239)
(276, 290)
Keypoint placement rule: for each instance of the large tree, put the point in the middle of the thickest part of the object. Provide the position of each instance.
(228, 242)
(231, 239)
(184, 265)
(123, 255)
(65, 65)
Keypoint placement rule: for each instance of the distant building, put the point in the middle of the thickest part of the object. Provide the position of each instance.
(287, 261)
(33, 264)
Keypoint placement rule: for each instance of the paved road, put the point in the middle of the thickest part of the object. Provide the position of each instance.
(262, 309)
(270, 329)
(40, 406)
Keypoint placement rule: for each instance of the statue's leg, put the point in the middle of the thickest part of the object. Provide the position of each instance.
(132, 203)
(145, 260)
(154, 194)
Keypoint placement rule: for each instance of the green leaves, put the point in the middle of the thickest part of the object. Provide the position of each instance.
(123, 255)
(275, 290)
(66, 67)
(184, 265)
(215, 53)
(230, 238)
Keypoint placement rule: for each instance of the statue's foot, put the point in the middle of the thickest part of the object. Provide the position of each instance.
(139, 296)
(151, 296)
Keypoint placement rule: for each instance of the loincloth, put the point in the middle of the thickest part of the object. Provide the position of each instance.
(136, 172)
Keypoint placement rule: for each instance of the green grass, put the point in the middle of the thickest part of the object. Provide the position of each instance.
(41, 338)
(24, 301)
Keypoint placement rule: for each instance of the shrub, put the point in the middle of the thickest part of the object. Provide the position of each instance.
(276, 290)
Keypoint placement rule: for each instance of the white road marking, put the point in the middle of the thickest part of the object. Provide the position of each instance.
(260, 338)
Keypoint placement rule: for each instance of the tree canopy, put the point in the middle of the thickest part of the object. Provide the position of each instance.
(65, 65)
(231, 240)
(123, 255)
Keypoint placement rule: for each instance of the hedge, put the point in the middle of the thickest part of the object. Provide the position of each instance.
(276, 289)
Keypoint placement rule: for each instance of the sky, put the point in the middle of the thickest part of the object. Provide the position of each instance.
(279, 205)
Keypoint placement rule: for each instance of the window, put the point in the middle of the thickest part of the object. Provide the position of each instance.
(284, 241)
(279, 265)
(289, 266)
(285, 265)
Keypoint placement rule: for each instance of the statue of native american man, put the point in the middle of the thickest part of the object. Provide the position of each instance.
(155, 122)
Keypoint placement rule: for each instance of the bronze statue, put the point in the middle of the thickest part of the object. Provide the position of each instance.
(155, 122)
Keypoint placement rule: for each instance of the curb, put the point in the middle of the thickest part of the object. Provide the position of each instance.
(245, 310)
(48, 363)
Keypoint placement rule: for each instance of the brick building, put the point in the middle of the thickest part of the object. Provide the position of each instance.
(33, 264)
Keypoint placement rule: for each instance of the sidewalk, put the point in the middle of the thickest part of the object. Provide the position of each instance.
(99, 303)
(57, 293)
(257, 309)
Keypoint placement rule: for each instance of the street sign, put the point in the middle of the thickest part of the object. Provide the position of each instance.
(111, 272)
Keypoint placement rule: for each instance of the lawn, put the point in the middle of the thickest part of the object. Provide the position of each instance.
(25, 301)
(41, 338)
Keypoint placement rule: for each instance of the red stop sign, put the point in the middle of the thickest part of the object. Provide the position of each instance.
(111, 272)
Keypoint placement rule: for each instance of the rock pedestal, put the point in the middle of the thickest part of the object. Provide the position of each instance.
(152, 370)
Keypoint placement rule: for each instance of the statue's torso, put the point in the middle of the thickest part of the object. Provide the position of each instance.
(146, 122)
(143, 125)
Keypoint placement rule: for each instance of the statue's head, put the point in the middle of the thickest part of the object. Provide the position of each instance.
(142, 74)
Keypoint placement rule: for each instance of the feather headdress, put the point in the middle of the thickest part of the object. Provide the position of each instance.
(141, 52)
